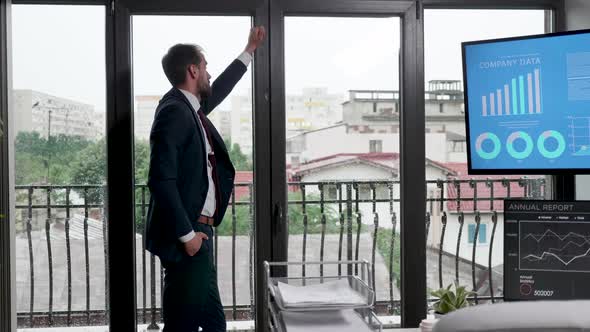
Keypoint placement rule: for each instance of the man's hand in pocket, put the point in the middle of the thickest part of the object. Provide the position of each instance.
(193, 246)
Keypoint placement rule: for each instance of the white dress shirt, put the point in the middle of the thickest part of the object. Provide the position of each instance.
(210, 201)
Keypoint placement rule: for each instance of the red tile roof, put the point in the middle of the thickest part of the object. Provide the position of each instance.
(483, 191)
(456, 171)
(389, 160)
(243, 177)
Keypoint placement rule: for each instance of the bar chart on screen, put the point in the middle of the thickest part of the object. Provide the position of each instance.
(520, 95)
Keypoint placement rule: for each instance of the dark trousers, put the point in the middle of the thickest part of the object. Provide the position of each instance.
(191, 297)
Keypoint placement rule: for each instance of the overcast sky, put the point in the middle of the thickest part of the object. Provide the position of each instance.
(60, 49)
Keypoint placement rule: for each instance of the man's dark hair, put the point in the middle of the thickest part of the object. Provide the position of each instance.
(178, 58)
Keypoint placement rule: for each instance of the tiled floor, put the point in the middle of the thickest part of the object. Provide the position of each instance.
(142, 328)
(232, 326)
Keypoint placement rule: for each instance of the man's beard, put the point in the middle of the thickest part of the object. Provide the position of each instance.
(204, 96)
(205, 92)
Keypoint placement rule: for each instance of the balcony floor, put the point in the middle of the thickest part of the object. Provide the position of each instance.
(142, 328)
(231, 326)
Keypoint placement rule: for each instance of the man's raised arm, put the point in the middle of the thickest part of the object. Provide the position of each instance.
(224, 84)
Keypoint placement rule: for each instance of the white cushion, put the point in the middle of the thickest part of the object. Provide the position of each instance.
(538, 316)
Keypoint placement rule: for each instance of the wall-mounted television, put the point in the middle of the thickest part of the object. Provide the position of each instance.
(546, 250)
(527, 104)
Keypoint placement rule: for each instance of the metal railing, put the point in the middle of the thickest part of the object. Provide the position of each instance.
(61, 261)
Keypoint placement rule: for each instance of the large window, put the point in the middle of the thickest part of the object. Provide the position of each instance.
(343, 145)
(336, 141)
(224, 40)
(464, 211)
(58, 114)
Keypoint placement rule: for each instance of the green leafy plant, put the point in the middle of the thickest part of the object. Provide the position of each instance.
(449, 300)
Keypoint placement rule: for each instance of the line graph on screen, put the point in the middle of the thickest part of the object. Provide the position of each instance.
(554, 246)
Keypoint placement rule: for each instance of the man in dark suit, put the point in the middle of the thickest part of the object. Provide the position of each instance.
(191, 179)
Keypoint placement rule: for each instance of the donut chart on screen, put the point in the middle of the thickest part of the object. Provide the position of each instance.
(527, 103)
(561, 145)
(523, 153)
(495, 141)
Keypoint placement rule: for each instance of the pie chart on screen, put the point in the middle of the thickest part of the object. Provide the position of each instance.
(492, 152)
(519, 153)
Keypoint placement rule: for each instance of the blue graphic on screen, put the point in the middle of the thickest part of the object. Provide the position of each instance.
(529, 103)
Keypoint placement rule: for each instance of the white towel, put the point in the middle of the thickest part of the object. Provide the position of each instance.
(324, 321)
(331, 293)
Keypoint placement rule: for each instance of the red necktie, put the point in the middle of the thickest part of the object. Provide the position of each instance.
(211, 158)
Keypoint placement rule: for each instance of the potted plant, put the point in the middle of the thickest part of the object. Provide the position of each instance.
(449, 300)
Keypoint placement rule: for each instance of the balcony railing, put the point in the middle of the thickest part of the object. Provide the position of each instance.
(61, 251)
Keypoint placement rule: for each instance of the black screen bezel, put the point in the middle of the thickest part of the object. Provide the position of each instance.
(511, 171)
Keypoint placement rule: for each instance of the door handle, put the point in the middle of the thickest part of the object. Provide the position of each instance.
(277, 213)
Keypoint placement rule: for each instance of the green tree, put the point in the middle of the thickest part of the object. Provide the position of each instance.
(34, 156)
(30, 158)
(30, 142)
(90, 165)
(386, 240)
(29, 168)
(313, 213)
(64, 148)
(142, 161)
(238, 158)
(243, 220)
(142, 164)
(90, 168)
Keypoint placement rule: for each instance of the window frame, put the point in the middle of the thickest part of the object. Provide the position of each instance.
(258, 10)
(561, 187)
(413, 288)
(119, 126)
(375, 146)
(267, 125)
(7, 229)
(481, 236)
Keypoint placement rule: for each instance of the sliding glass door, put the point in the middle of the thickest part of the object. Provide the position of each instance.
(343, 95)
(330, 130)
(221, 29)
(58, 122)
(464, 215)
(234, 237)
(342, 147)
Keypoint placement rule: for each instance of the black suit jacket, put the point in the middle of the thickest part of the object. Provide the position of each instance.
(177, 176)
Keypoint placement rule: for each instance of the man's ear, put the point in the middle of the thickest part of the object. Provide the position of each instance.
(193, 71)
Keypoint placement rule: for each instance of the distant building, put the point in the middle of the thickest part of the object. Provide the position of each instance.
(145, 109)
(241, 122)
(377, 111)
(222, 120)
(467, 207)
(313, 144)
(243, 185)
(143, 115)
(384, 167)
(370, 124)
(35, 111)
(314, 108)
(368, 167)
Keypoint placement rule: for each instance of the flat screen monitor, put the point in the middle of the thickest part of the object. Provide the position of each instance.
(546, 250)
(527, 103)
